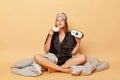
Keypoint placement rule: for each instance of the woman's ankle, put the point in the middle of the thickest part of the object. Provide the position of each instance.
(69, 71)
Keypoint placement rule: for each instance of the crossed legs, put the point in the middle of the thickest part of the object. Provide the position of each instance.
(65, 68)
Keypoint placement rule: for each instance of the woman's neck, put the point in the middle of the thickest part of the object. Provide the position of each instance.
(61, 35)
(61, 31)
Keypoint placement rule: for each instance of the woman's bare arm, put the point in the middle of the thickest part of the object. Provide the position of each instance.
(74, 51)
(48, 41)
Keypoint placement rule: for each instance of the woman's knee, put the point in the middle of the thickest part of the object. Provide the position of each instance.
(38, 57)
(82, 58)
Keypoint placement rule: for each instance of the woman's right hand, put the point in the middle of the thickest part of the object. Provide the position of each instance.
(51, 32)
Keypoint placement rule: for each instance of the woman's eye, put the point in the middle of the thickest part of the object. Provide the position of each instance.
(62, 20)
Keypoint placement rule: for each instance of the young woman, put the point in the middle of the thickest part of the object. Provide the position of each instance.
(63, 45)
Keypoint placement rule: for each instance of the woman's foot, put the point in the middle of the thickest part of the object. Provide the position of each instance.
(68, 71)
(51, 70)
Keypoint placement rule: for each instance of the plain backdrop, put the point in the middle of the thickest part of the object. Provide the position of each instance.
(24, 25)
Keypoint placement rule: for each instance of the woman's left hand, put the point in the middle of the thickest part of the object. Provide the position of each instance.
(77, 40)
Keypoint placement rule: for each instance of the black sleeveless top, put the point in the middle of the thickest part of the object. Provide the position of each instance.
(62, 50)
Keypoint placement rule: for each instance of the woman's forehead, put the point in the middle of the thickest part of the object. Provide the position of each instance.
(60, 18)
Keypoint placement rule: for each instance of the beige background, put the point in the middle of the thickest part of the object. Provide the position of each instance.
(24, 25)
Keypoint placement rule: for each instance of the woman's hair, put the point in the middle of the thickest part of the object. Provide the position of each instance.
(64, 16)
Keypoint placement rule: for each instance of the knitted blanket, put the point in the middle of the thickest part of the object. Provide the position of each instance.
(28, 67)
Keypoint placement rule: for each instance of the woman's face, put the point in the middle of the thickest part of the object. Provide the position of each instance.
(60, 22)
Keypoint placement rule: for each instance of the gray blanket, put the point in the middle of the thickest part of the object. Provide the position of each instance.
(92, 64)
(29, 67)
